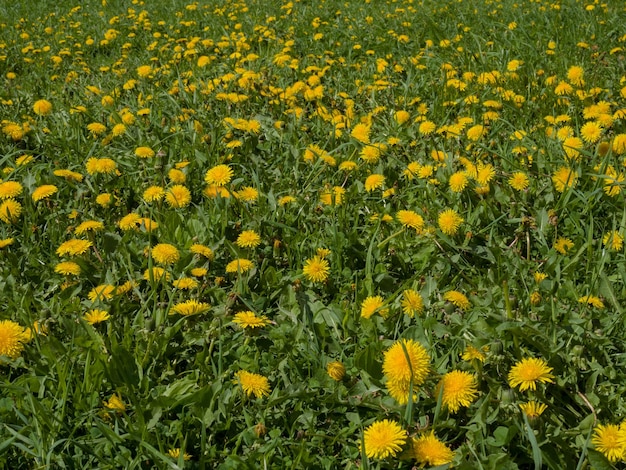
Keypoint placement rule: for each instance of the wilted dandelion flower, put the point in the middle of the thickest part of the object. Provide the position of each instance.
(249, 319)
(165, 254)
(458, 299)
(610, 441)
(10, 189)
(219, 175)
(428, 450)
(96, 316)
(12, 338)
(406, 359)
(449, 221)
(383, 439)
(42, 107)
(613, 240)
(563, 245)
(316, 269)
(67, 268)
(178, 196)
(101, 292)
(459, 389)
(73, 247)
(89, 226)
(198, 249)
(526, 373)
(116, 404)
(144, 152)
(240, 265)
(336, 370)
(564, 178)
(248, 239)
(10, 211)
(412, 302)
(533, 409)
(371, 305)
(373, 182)
(519, 181)
(252, 383)
(189, 307)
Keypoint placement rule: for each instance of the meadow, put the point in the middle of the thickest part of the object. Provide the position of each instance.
(269, 234)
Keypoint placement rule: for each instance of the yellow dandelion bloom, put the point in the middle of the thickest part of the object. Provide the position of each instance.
(533, 409)
(12, 338)
(361, 132)
(199, 272)
(528, 372)
(412, 302)
(130, 222)
(176, 176)
(591, 132)
(73, 247)
(563, 245)
(336, 370)
(428, 450)
(613, 240)
(316, 269)
(44, 192)
(240, 265)
(89, 226)
(6, 242)
(189, 307)
(144, 152)
(67, 268)
(153, 193)
(10, 189)
(175, 454)
(185, 283)
(156, 274)
(42, 107)
(458, 299)
(104, 199)
(10, 211)
(101, 292)
(373, 182)
(252, 383)
(249, 319)
(519, 181)
(410, 219)
(115, 403)
(198, 249)
(247, 194)
(406, 360)
(610, 441)
(564, 178)
(178, 196)
(371, 305)
(459, 390)
(449, 221)
(572, 146)
(248, 239)
(100, 165)
(591, 300)
(96, 316)
(219, 175)
(165, 254)
(333, 196)
(471, 353)
(458, 181)
(383, 439)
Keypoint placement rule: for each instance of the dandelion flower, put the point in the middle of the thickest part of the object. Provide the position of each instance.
(178, 196)
(459, 389)
(571, 146)
(533, 409)
(458, 181)
(219, 175)
(89, 226)
(104, 199)
(519, 181)
(429, 450)
(100, 165)
(449, 221)
(336, 370)
(144, 152)
(406, 360)
(175, 454)
(526, 373)
(575, 75)
(458, 299)
(613, 240)
(12, 339)
(361, 132)
(240, 265)
(563, 245)
(249, 319)
(252, 383)
(333, 196)
(383, 439)
(564, 178)
(373, 182)
(471, 353)
(96, 316)
(153, 193)
(6, 242)
(67, 268)
(10, 189)
(591, 132)
(610, 440)
(116, 404)
(247, 194)
(410, 219)
(10, 211)
(189, 307)
(412, 302)
(427, 127)
(130, 222)
(156, 273)
(591, 300)
(165, 254)
(248, 239)
(185, 283)
(42, 107)
(101, 292)
(176, 176)
(476, 132)
(198, 249)
(371, 305)
(316, 269)
(73, 247)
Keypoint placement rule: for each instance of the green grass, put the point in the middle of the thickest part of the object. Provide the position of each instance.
(262, 62)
